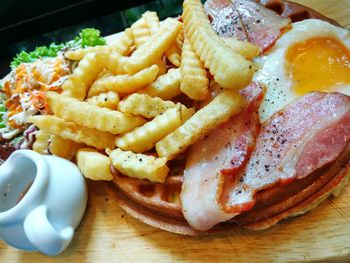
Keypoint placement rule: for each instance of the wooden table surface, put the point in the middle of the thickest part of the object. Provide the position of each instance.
(107, 234)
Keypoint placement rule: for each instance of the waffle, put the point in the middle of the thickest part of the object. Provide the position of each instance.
(158, 204)
(294, 11)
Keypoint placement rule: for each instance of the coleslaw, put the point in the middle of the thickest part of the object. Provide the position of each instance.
(33, 73)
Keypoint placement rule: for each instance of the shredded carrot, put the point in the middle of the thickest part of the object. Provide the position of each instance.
(34, 80)
(39, 102)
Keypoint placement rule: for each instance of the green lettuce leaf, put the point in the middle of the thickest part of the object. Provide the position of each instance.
(88, 37)
(39, 52)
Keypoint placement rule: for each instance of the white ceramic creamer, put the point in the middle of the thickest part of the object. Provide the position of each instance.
(42, 201)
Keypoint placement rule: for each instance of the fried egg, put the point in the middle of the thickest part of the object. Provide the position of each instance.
(313, 56)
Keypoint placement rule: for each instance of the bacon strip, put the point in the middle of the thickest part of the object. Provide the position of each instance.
(215, 161)
(276, 203)
(295, 142)
(225, 19)
(246, 20)
(262, 25)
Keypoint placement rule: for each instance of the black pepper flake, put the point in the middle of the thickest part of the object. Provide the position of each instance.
(140, 159)
(267, 167)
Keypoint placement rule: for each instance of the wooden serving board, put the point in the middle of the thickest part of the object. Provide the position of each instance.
(107, 234)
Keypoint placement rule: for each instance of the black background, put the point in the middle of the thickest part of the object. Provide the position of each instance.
(27, 24)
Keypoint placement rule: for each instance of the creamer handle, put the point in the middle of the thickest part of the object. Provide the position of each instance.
(43, 235)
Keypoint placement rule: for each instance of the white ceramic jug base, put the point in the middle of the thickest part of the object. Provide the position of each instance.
(42, 201)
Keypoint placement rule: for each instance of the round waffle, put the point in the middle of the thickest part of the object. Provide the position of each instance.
(158, 205)
(295, 12)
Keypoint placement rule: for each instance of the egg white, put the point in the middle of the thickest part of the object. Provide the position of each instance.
(271, 66)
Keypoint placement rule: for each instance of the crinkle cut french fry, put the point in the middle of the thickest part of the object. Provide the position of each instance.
(41, 143)
(173, 54)
(154, 47)
(166, 86)
(124, 83)
(152, 20)
(247, 50)
(215, 88)
(80, 53)
(64, 148)
(162, 66)
(180, 37)
(108, 100)
(114, 62)
(145, 137)
(94, 165)
(124, 43)
(139, 165)
(92, 116)
(194, 80)
(83, 76)
(140, 31)
(74, 87)
(219, 110)
(144, 105)
(72, 131)
(229, 69)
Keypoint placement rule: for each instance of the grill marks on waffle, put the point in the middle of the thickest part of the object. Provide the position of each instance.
(294, 11)
(163, 198)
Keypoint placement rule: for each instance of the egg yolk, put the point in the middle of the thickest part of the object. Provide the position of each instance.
(318, 64)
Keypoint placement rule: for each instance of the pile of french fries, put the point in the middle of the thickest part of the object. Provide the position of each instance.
(121, 105)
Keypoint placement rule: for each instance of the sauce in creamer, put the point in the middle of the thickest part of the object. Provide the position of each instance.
(25, 191)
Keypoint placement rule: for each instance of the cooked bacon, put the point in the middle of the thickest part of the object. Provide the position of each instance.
(215, 161)
(262, 25)
(295, 142)
(246, 20)
(225, 19)
(276, 203)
